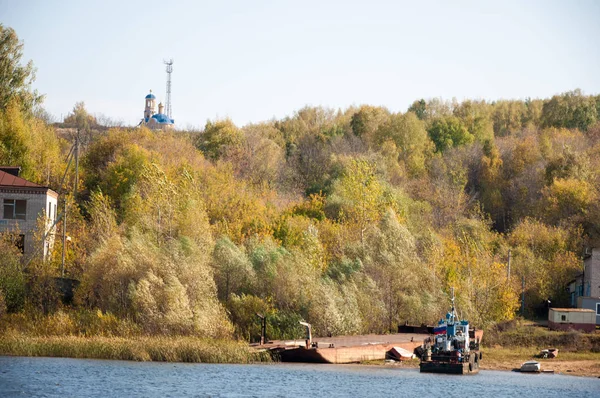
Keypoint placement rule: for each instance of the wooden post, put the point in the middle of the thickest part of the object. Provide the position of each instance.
(263, 328)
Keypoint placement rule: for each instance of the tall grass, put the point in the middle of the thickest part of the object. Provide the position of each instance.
(93, 334)
(66, 322)
(149, 348)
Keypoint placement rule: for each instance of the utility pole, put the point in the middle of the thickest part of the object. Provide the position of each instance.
(76, 165)
(523, 296)
(582, 281)
(508, 271)
(74, 152)
(62, 267)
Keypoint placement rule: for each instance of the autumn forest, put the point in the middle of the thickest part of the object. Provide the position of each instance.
(354, 220)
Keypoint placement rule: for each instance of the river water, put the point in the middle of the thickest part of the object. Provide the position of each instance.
(62, 377)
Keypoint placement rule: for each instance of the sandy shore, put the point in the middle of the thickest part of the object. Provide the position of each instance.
(498, 361)
(584, 367)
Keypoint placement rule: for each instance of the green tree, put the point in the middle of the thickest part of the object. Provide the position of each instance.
(568, 198)
(82, 122)
(431, 109)
(30, 143)
(411, 139)
(258, 158)
(508, 117)
(79, 117)
(14, 137)
(15, 79)
(404, 283)
(12, 277)
(475, 115)
(571, 110)
(367, 120)
(449, 132)
(233, 271)
(419, 108)
(218, 137)
(491, 182)
(359, 192)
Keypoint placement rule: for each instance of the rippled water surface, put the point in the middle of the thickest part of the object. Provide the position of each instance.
(60, 377)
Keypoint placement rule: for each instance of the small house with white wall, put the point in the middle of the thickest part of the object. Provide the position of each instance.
(23, 203)
(572, 319)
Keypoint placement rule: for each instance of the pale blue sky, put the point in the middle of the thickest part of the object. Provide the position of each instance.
(255, 60)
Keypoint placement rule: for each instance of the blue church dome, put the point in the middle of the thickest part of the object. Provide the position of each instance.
(150, 96)
(162, 118)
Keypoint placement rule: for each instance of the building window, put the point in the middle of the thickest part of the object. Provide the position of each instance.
(597, 308)
(563, 318)
(54, 212)
(15, 209)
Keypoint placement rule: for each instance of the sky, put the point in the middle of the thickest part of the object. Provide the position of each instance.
(253, 61)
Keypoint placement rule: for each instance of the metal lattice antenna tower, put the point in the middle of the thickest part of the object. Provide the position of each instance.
(169, 64)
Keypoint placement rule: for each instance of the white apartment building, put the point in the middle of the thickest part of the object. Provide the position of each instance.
(23, 203)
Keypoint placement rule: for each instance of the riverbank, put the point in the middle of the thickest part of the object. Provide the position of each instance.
(197, 350)
(511, 343)
(142, 348)
(89, 335)
(569, 363)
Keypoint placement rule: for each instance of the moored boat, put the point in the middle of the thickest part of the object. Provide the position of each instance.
(531, 366)
(450, 350)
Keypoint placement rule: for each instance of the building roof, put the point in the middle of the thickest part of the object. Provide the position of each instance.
(572, 309)
(9, 180)
(150, 96)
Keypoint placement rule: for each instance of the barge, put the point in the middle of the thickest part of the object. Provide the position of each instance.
(346, 349)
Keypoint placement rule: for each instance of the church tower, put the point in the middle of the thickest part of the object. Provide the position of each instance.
(150, 106)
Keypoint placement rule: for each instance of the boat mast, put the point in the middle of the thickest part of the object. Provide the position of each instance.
(453, 311)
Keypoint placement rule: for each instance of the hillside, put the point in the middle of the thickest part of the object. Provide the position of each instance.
(354, 220)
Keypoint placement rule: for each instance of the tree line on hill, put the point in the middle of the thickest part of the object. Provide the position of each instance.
(354, 220)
